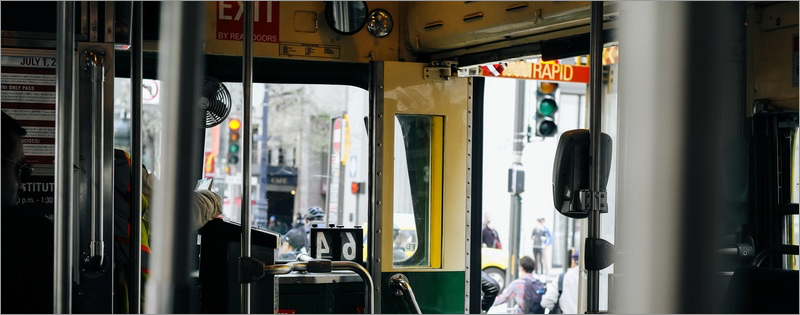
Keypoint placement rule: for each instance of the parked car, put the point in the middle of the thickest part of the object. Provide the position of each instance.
(495, 262)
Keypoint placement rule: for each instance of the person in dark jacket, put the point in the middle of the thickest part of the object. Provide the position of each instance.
(291, 245)
(27, 236)
(489, 236)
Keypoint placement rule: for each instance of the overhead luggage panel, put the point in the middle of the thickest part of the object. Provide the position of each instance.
(436, 26)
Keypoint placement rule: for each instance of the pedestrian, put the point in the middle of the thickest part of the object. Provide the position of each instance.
(541, 239)
(489, 236)
(562, 296)
(291, 245)
(526, 291)
(314, 215)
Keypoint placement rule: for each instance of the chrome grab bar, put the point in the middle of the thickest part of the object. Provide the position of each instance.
(95, 65)
(399, 283)
(364, 274)
(285, 269)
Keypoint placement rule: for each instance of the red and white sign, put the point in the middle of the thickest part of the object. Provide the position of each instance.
(150, 91)
(230, 15)
(493, 70)
(337, 138)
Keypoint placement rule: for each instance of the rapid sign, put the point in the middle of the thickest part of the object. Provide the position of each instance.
(546, 72)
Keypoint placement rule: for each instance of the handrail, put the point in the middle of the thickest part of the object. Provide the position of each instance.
(364, 274)
(738, 250)
(285, 268)
(779, 249)
(96, 67)
(401, 287)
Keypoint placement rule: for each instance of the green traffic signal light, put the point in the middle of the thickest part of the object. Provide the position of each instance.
(546, 128)
(548, 107)
(233, 148)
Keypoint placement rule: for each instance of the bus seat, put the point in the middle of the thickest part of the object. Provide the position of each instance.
(760, 290)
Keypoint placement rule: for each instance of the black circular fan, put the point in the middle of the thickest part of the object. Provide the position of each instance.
(215, 101)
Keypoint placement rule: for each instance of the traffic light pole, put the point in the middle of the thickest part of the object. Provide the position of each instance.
(263, 159)
(595, 85)
(516, 188)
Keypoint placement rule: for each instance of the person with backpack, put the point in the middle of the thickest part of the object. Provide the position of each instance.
(527, 291)
(562, 297)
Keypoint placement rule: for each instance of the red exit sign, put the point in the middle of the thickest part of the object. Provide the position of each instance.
(230, 15)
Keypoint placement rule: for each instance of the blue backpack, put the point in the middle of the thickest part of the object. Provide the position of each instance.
(534, 290)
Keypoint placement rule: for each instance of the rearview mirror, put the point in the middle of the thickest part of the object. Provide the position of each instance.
(346, 17)
(571, 171)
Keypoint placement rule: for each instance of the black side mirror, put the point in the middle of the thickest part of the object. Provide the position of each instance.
(571, 171)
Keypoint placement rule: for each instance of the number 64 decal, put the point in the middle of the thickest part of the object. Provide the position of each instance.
(323, 248)
(337, 243)
(348, 247)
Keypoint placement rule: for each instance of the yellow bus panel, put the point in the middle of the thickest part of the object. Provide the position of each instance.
(297, 30)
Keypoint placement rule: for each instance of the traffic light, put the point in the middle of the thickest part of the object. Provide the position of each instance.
(357, 188)
(546, 108)
(233, 144)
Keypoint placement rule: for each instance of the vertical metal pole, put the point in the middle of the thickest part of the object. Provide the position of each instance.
(475, 190)
(134, 287)
(516, 164)
(65, 71)
(247, 47)
(375, 179)
(595, 112)
(169, 288)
